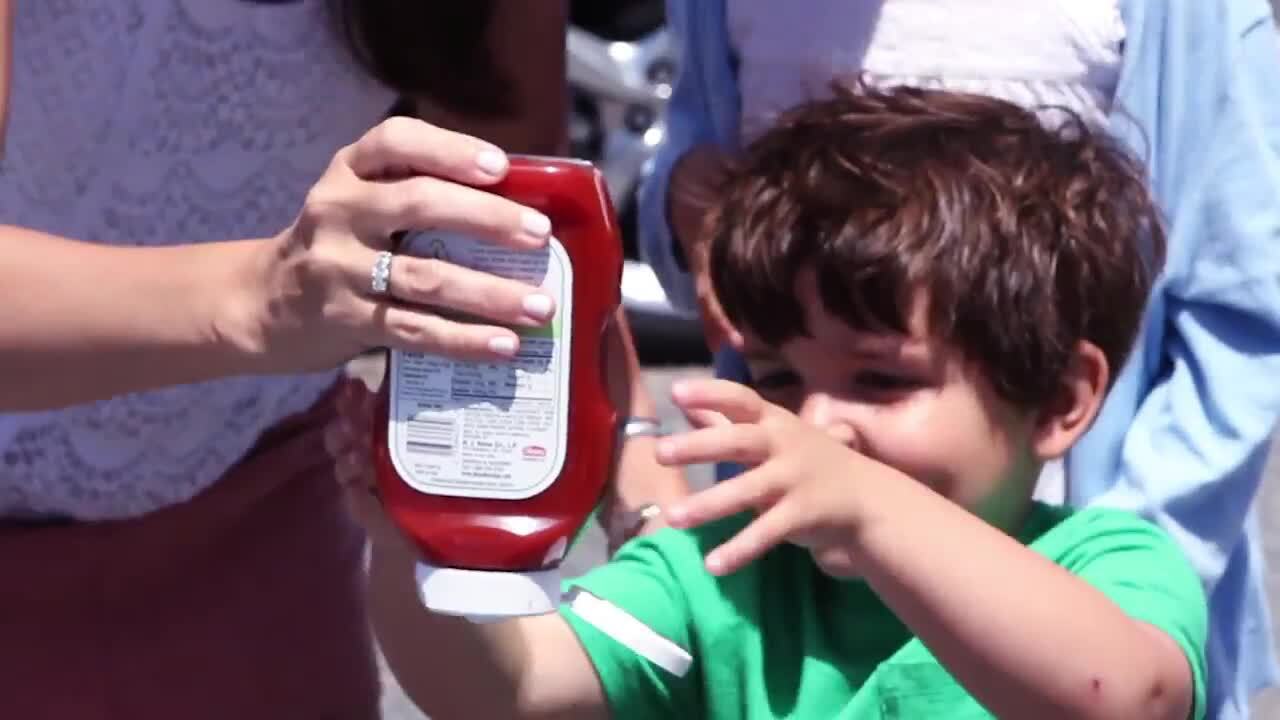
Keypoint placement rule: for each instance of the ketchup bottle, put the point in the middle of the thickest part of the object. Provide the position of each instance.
(492, 468)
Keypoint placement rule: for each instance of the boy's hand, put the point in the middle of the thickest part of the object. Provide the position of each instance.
(802, 481)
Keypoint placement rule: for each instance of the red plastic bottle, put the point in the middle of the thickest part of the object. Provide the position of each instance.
(492, 468)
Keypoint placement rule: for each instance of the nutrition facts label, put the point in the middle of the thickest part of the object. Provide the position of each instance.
(487, 430)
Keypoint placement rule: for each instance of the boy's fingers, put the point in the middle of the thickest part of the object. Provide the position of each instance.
(367, 509)
(738, 403)
(352, 395)
(337, 438)
(743, 444)
(353, 469)
(749, 491)
(763, 534)
(705, 418)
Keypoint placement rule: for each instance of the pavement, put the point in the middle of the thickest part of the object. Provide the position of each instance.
(591, 549)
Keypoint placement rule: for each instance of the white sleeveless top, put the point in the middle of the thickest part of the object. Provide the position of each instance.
(1032, 52)
(155, 122)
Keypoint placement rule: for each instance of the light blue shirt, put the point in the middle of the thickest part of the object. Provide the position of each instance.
(1184, 433)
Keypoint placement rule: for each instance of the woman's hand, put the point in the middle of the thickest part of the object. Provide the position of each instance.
(312, 304)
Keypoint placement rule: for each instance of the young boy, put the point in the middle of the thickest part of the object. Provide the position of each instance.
(934, 290)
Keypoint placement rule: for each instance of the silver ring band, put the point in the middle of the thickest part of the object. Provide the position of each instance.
(380, 275)
(641, 427)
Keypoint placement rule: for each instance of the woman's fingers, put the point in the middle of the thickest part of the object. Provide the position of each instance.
(415, 330)
(320, 293)
(381, 209)
(433, 306)
(402, 145)
(437, 285)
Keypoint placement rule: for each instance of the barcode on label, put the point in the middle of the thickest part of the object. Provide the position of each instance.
(430, 435)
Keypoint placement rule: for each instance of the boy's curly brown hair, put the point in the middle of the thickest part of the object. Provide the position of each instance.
(1028, 232)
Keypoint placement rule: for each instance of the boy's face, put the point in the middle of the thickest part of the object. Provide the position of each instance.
(907, 401)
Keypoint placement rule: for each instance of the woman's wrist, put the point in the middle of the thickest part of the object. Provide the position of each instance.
(241, 304)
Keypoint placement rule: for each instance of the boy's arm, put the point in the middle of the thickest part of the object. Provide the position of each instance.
(1118, 631)
(451, 668)
(1015, 629)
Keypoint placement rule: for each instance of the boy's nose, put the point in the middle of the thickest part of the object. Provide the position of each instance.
(816, 409)
(820, 411)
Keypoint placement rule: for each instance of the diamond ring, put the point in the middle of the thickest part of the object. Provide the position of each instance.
(380, 276)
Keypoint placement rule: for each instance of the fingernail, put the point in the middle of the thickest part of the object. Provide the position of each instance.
(679, 389)
(664, 451)
(538, 306)
(491, 162)
(503, 345)
(715, 564)
(536, 224)
(675, 516)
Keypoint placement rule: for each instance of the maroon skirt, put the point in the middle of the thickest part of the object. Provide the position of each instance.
(244, 603)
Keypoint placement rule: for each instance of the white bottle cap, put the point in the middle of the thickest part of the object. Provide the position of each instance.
(483, 596)
(487, 595)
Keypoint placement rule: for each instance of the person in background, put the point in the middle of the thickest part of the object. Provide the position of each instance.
(193, 211)
(1189, 85)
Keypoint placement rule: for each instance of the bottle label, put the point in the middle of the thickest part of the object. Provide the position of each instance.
(493, 430)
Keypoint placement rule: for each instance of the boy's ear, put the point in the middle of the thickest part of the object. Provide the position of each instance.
(1076, 404)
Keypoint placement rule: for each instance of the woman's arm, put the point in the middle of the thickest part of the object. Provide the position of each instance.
(83, 322)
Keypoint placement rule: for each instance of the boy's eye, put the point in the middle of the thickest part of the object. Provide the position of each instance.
(875, 381)
(776, 380)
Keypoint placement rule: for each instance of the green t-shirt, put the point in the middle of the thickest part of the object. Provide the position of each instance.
(781, 639)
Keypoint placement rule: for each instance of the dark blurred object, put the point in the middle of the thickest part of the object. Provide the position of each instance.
(436, 50)
(624, 20)
(621, 65)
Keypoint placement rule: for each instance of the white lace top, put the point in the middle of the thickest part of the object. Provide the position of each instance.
(156, 122)
(1033, 52)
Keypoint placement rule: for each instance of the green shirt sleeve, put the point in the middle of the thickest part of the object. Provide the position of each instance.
(1141, 570)
(642, 579)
